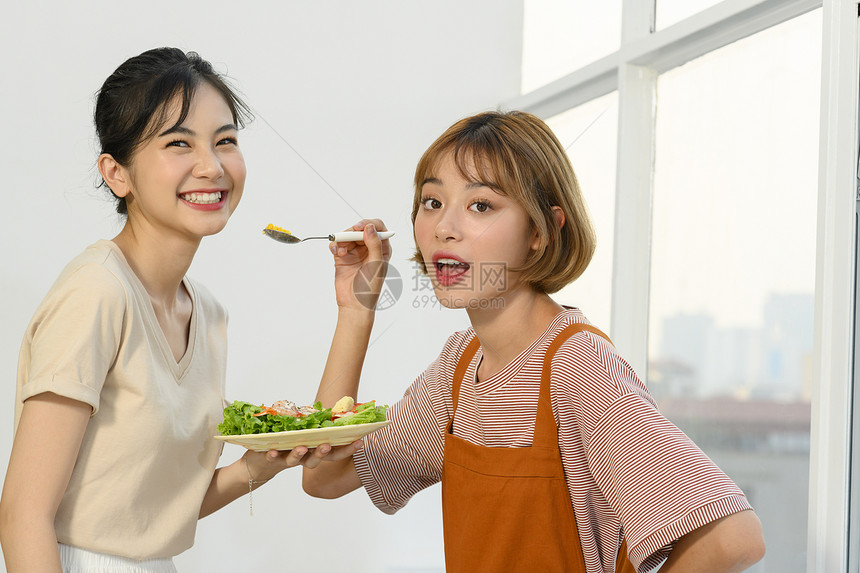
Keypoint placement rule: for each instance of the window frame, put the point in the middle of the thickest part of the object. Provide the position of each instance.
(632, 71)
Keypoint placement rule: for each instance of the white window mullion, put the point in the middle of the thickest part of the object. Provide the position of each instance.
(637, 20)
(634, 175)
(835, 291)
(632, 244)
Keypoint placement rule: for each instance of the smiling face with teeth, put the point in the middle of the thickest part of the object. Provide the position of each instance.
(188, 179)
(464, 225)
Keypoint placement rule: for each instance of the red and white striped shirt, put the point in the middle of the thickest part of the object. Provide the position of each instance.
(627, 467)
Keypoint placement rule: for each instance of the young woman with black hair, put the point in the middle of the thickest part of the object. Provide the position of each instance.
(122, 369)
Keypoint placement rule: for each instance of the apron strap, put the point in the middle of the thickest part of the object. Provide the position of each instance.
(546, 429)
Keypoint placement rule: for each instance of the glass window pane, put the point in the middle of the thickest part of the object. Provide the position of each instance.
(589, 133)
(671, 11)
(560, 36)
(733, 267)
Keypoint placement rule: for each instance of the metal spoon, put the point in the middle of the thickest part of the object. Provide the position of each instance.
(343, 237)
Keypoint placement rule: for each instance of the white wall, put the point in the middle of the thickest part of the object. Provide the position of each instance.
(347, 95)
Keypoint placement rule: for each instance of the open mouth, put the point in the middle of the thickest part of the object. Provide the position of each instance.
(450, 271)
(205, 200)
(202, 198)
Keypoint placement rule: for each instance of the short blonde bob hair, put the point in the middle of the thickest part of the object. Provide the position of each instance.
(517, 155)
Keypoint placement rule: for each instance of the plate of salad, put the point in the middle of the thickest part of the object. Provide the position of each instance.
(284, 425)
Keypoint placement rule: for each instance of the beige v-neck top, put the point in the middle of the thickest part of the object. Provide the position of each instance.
(148, 454)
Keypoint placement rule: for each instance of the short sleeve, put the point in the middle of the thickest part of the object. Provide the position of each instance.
(661, 485)
(74, 337)
(405, 457)
(628, 467)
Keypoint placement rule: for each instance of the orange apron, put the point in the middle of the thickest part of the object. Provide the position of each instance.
(508, 509)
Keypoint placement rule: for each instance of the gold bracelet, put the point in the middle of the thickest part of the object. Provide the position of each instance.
(251, 483)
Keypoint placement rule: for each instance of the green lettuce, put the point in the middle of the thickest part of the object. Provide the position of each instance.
(239, 419)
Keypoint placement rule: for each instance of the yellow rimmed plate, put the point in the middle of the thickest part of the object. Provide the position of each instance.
(334, 435)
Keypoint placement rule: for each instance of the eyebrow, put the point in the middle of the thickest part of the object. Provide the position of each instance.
(185, 131)
(472, 185)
